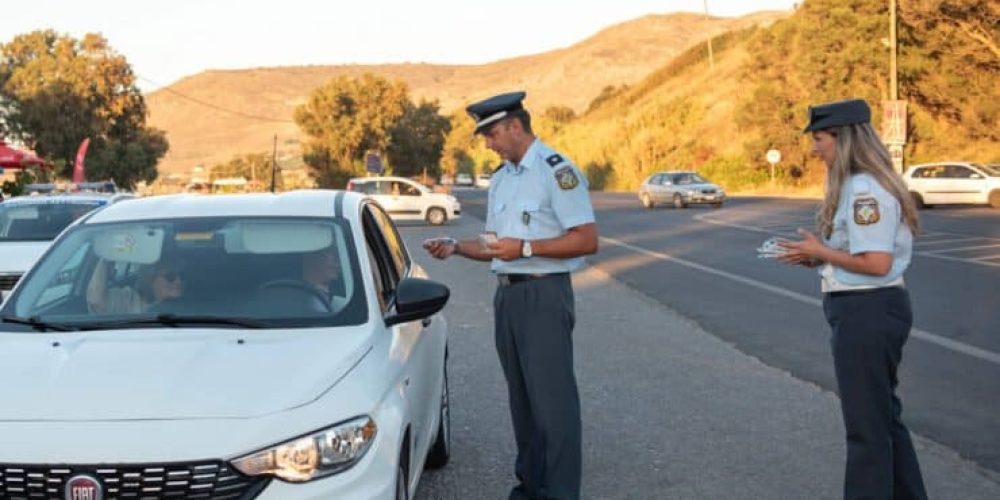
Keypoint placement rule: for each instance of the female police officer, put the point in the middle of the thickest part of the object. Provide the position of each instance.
(867, 222)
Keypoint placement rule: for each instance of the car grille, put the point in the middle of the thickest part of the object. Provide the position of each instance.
(708, 191)
(7, 281)
(198, 480)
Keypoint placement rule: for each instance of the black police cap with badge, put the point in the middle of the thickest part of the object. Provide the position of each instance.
(837, 114)
(496, 108)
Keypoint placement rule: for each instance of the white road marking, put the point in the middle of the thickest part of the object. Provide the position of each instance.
(947, 343)
(960, 249)
(921, 244)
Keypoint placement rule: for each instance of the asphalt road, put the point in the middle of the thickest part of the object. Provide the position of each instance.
(702, 263)
(670, 409)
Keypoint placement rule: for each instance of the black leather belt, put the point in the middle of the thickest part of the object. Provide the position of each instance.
(510, 279)
(862, 291)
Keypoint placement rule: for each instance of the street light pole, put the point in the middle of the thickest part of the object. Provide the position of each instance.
(893, 84)
(711, 57)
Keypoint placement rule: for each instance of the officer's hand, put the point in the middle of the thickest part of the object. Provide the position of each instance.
(808, 249)
(505, 249)
(439, 249)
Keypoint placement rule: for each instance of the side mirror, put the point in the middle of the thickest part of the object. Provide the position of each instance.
(417, 298)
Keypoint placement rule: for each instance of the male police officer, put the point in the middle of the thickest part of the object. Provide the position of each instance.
(540, 212)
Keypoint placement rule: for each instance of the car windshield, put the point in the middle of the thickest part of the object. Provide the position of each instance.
(42, 219)
(246, 272)
(991, 170)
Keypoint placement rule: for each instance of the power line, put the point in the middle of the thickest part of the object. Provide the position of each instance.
(213, 106)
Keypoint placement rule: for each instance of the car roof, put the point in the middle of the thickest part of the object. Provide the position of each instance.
(304, 203)
(382, 178)
(57, 198)
(939, 163)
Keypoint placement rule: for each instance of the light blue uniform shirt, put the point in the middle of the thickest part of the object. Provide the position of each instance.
(541, 198)
(854, 231)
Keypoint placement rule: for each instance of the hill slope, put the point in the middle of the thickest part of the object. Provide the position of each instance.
(196, 112)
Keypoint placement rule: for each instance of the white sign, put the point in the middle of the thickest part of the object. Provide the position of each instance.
(773, 156)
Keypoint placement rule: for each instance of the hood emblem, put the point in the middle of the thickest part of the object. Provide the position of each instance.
(84, 487)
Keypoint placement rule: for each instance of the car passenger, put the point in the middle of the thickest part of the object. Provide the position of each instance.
(154, 284)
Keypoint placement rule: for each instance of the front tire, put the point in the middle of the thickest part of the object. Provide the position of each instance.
(440, 452)
(436, 216)
(995, 198)
(679, 201)
(647, 201)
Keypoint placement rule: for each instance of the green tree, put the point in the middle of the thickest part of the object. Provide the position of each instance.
(418, 140)
(345, 119)
(255, 168)
(56, 91)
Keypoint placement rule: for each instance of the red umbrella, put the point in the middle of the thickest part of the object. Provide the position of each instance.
(12, 158)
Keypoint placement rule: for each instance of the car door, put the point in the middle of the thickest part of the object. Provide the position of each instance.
(964, 183)
(413, 346)
(928, 182)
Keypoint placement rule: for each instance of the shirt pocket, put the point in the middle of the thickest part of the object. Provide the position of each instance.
(528, 212)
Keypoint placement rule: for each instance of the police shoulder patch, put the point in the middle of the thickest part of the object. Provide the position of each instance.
(866, 211)
(554, 160)
(567, 179)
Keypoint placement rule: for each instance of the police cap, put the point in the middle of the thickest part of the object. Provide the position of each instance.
(838, 114)
(494, 109)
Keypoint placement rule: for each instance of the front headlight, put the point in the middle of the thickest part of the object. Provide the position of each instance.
(316, 455)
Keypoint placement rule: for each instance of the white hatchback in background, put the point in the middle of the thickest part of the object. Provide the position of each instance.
(405, 199)
(254, 383)
(28, 224)
(953, 182)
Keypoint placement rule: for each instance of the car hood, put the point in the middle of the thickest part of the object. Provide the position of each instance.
(166, 374)
(19, 256)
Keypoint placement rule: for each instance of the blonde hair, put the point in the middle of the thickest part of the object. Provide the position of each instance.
(859, 150)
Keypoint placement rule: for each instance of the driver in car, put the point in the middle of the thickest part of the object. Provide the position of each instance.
(321, 269)
(154, 284)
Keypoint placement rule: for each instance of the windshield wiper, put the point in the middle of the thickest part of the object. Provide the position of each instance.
(175, 320)
(37, 324)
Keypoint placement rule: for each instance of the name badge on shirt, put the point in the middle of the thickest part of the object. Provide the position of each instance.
(526, 217)
(866, 211)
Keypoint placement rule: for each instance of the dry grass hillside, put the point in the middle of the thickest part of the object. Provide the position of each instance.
(198, 116)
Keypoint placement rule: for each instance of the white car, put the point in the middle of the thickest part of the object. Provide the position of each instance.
(953, 182)
(463, 179)
(405, 199)
(483, 180)
(28, 224)
(254, 381)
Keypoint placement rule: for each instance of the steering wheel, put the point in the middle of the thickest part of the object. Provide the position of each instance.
(300, 289)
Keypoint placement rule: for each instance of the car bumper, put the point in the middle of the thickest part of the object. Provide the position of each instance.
(704, 198)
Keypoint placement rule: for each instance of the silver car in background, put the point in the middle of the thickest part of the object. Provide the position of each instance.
(679, 189)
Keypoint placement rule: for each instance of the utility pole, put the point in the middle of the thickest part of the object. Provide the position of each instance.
(274, 162)
(893, 84)
(711, 57)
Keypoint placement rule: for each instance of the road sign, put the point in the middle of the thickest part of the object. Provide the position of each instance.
(373, 163)
(894, 122)
(773, 156)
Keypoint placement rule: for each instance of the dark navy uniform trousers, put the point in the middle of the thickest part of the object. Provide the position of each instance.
(534, 326)
(869, 330)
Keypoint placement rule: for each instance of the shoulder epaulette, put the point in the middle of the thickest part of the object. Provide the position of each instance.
(554, 160)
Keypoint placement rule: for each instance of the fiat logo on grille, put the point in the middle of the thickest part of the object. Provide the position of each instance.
(84, 487)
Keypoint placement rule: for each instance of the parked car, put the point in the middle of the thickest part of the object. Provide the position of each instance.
(483, 180)
(405, 199)
(680, 189)
(953, 182)
(463, 179)
(254, 382)
(28, 224)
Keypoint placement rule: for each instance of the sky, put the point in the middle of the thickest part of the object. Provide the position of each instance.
(166, 40)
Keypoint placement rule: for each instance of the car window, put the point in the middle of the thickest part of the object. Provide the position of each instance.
(397, 249)
(699, 179)
(930, 172)
(385, 271)
(991, 170)
(278, 272)
(958, 172)
(42, 220)
(682, 179)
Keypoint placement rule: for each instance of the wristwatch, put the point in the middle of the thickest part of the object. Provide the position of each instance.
(525, 249)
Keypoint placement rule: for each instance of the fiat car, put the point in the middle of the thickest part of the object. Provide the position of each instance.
(255, 346)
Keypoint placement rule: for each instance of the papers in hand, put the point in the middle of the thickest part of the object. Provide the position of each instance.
(440, 241)
(771, 248)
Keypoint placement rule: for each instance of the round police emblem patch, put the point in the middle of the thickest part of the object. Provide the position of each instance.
(567, 178)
